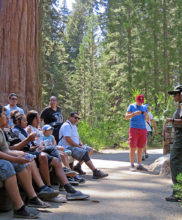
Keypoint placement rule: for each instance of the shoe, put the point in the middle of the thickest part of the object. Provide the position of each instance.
(79, 179)
(146, 156)
(98, 174)
(47, 193)
(72, 181)
(78, 169)
(27, 213)
(132, 168)
(57, 199)
(69, 172)
(61, 188)
(172, 198)
(141, 168)
(37, 203)
(143, 157)
(76, 196)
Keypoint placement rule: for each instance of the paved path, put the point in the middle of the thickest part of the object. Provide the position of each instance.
(124, 195)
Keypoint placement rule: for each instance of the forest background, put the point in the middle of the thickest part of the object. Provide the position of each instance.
(97, 57)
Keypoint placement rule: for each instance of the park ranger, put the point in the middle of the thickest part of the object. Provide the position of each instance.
(176, 150)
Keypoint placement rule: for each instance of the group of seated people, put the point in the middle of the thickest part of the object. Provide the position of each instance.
(29, 151)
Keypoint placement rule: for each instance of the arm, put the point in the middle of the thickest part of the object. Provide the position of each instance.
(129, 115)
(54, 140)
(13, 159)
(71, 142)
(81, 144)
(174, 121)
(23, 143)
(155, 126)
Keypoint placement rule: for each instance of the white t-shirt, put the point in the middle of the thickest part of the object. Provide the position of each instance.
(39, 137)
(68, 130)
(149, 128)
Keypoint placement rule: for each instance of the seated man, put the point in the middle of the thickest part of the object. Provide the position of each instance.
(8, 176)
(69, 139)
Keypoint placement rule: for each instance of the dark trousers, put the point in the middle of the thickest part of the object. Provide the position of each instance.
(176, 155)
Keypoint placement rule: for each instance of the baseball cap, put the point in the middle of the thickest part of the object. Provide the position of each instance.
(177, 89)
(140, 98)
(46, 127)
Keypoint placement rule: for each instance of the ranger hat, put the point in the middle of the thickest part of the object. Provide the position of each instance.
(177, 89)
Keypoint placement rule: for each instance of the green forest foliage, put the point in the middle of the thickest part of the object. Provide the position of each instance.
(99, 56)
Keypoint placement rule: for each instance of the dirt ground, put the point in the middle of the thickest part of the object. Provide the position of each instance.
(123, 195)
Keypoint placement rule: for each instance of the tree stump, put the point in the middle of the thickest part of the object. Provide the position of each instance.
(168, 139)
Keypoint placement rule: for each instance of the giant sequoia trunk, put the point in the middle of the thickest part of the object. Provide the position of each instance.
(19, 52)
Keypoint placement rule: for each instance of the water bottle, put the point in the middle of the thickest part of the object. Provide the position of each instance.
(30, 157)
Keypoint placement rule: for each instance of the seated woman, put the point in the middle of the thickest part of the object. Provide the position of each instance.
(20, 124)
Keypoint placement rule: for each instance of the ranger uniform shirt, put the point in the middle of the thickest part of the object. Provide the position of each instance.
(178, 115)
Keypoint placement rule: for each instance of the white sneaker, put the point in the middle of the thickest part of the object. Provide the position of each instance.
(57, 199)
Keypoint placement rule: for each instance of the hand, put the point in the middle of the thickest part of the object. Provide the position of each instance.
(21, 160)
(168, 120)
(21, 154)
(137, 113)
(33, 148)
(80, 146)
(145, 113)
(32, 136)
(40, 148)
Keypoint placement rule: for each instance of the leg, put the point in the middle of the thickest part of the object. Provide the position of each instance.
(64, 158)
(139, 155)
(13, 191)
(133, 136)
(132, 155)
(44, 168)
(25, 178)
(141, 143)
(90, 165)
(35, 174)
(59, 171)
(90, 152)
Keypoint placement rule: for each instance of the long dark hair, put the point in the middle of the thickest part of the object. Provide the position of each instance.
(1, 109)
(31, 115)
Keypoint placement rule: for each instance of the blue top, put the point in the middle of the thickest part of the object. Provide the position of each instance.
(48, 140)
(137, 121)
(9, 109)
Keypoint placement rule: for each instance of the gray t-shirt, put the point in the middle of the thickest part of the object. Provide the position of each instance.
(3, 143)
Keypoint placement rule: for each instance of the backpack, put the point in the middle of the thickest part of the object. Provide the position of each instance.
(56, 127)
(11, 137)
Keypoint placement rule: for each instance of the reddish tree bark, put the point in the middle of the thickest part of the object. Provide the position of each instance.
(19, 60)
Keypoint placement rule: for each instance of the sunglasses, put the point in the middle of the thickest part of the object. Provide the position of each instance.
(76, 118)
(14, 99)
